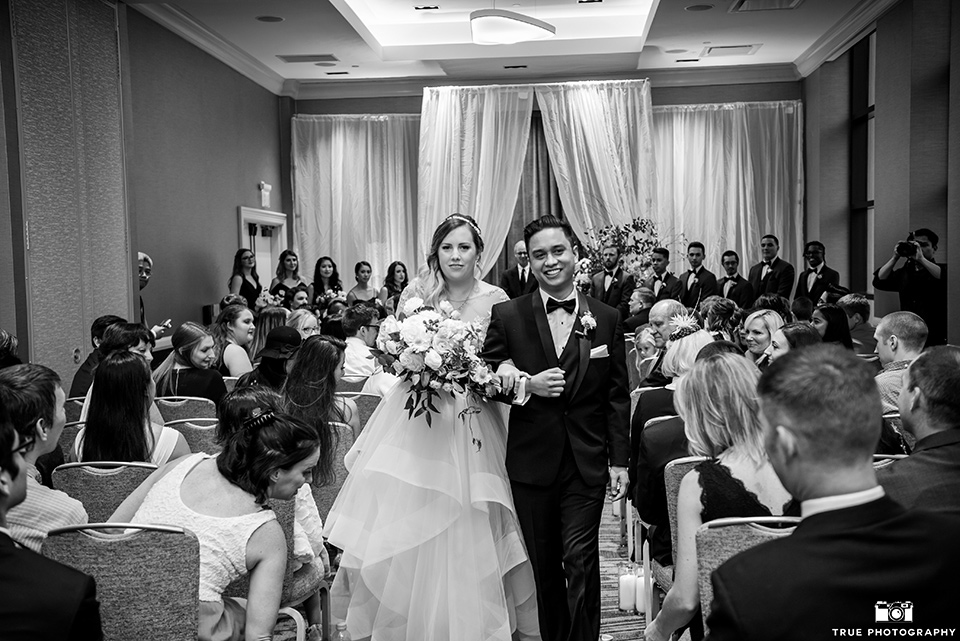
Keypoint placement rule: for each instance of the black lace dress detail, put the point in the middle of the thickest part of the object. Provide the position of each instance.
(723, 495)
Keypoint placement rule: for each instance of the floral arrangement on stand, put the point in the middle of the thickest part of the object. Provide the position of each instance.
(636, 241)
(436, 352)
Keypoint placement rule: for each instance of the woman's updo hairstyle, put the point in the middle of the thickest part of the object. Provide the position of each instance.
(431, 278)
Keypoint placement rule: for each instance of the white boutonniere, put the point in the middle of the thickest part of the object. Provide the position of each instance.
(589, 324)
(819, 276)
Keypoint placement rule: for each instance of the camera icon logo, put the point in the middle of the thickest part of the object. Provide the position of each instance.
(895, 611)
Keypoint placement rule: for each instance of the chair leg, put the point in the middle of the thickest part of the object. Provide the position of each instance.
(298, 621)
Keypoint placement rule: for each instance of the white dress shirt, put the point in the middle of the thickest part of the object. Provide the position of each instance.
(561, 323)
(812, 276)
(840, 501)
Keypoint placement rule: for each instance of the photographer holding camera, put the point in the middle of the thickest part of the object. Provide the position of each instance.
(920, 280)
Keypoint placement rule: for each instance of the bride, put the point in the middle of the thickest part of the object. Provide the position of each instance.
(432, 550)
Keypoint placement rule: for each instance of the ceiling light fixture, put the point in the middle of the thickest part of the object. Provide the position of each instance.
(502, 27)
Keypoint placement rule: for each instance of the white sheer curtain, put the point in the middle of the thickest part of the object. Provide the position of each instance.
(355, 186)
(601, 149)
(472, 144)
(730, 173)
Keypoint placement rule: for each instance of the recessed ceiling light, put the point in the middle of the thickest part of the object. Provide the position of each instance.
(355, 66)
(325, 64)
(269, 18)
(688, 60)
(588, 1)
(514, 66)
(426, 7)
(699, 7)
(675, 51)
(338, 73)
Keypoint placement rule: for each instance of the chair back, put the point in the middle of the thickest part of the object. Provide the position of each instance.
(200, 434)
(719, 540)
(355, 385)
(101, 485)
(327, 494)
(176, 408)
(68, 437)
(72, 407)
(672, 475)
(147, 577)
(635, 398)
(230, 382)
(366, 405)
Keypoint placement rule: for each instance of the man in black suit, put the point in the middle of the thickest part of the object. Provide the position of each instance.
(772, 275)
(42, 599)
(857, 555)
(641, 301)
(930, 410)
(814, 280)
(664, 284)
(733, 285)
(697, 282)
(518, 281)
(613, 286)
(568, 433)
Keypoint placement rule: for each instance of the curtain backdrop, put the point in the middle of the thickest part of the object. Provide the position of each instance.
(472, 145)
(730, 173)
(601, 149)
(355, 186)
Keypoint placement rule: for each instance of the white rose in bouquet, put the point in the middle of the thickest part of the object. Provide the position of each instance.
(411, 361)
(415, 334)
(432, 359)
(412, 305)
(389, 325)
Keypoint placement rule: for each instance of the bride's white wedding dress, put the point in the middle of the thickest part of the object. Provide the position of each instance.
(432, 550)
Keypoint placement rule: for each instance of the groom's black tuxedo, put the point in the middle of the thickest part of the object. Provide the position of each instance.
(559, 449)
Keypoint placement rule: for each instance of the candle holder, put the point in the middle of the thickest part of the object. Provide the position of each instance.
(627, 580)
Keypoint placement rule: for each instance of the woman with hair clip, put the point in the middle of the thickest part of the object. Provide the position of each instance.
(721, 317)
(118, 426)
(717, 401)
(187, 371)
(419, 493)
(363, 291)
(326, 278)
(232, 332)
(223, 501)
(288, 276)
(244, 279)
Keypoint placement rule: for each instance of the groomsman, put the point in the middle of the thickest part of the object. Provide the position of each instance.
(697, 282)
(772, 275)
(813, 282)
(664, 284)
(733, 285)
(613, 286)
(518, 281)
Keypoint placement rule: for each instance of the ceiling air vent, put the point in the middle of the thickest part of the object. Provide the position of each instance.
(311, 57)
(742, 6)
(338, 73)
(729, 50)
(514, 66)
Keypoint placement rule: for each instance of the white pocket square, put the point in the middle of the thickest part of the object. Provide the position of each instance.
(599, 352)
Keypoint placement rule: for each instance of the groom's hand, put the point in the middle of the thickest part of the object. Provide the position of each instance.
(509, 378)
(548, 383)
(619, 482)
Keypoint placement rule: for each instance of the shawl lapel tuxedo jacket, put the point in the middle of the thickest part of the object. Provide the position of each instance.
(510, 282)
(618, 294)
(779, 279)
(826, 277)
(741, 292)
(671, 287)
(593, 410)
(692, 292)
(834, 568)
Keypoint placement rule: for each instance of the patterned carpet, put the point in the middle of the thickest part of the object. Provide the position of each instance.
(620, 625)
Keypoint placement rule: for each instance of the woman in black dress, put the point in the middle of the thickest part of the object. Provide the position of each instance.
(187, 370)
(326, 278)
(244, 279)
(393, 285)
(288, 276)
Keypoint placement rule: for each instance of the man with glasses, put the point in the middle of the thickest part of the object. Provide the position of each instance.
(815, 280)
(361, 325)
(518, 280)
(34, 401)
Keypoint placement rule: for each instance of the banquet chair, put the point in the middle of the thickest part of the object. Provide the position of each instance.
(326, 494)
(720, 539)
(366, 405)
(635, 398)
(72, 407)
(175, 408)
(101, 485)
(67, 438)
(199, 433)
(147, 577)
(230, 382)
(298, 585)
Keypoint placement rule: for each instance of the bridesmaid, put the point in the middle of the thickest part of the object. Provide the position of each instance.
(244, 279)
(326, 278)
(393, 285)
(288, 275)
(363, 291)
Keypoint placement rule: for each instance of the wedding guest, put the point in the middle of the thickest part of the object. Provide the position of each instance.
(663, 284)
(145, 271)
(733, 285)
(791, 336)
(647, 354)
(124, 337)
(758, 329)
(815, 280)
(288, 275)
(188, 370)
(802, 309)
(244, 279)
(661, 326)
(862, 331)
(900, 338)
(612, 285)
(299, 298)
(223, 501)
(719, 347)
(361, 325)
(717, 402)
(270, 317)
(305, 322)
(232, 332)
(930, 410)
(518, 280)
(363, 291)
(698, 282)
(775, 303)
(118, 425)
(34, 400)
(394, 284)
(721, 317)
(275, 359)
(641, 302)
(232, 299)
(326, 278)
(772, 275)
(332, 323)
(84, 376)
(8, 349)
(831, 322)
(30, 609)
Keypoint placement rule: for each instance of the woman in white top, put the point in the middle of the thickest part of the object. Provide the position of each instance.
(232, 332)
(118, 426)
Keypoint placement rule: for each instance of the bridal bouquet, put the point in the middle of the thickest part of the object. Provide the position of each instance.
(437, 353)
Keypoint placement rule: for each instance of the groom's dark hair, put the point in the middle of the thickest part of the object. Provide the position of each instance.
(547, 222)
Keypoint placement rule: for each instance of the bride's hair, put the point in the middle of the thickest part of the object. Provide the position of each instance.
(431, 278)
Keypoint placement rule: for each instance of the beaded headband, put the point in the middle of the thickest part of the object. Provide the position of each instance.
(684, 325)
(463, 218)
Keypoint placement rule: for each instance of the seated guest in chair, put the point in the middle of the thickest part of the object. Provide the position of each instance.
(276, 360)
(42, 599)
(361, 324)
(84, 376)
(124, 337)
(856, 548)
(661, 326)
(900, 338)
(930, 410)
(641, 302)
(188, 370)
(612, 285)
(862, 332)
(33, 400)
(518, 280)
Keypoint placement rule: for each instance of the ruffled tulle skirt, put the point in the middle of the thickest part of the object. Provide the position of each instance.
(432, 550)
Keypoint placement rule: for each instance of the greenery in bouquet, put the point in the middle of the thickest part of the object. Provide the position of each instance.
(436, 352)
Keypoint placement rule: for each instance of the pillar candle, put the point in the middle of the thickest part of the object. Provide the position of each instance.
(641, 593)
(628, 591)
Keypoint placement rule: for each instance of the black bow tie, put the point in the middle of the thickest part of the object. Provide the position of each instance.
(569, 306)
(725, 279)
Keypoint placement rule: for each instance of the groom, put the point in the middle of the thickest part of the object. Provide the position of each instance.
(569, 427)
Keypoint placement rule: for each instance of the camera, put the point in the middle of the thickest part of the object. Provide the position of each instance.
(907, 248)
(896, 611)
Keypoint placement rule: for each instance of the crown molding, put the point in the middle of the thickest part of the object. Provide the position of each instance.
(843, 35)
(187, 27)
